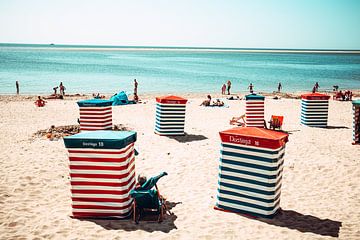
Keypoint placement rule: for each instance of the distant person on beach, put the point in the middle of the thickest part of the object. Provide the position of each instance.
(17, 87)
(223, 89)
(316, 87)
(251, 88)
(39, 102)
(62, 89)
(55, 89)
(135, 86)
(228, 86)
(314, 90)
(218, 103)
(207, 102)
(279, 87)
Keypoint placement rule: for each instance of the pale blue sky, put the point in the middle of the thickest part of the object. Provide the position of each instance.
(310, 24)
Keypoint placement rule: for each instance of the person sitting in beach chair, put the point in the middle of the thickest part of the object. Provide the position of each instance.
(276, 122)
(40, 102)
(147, 198)
(238, 121)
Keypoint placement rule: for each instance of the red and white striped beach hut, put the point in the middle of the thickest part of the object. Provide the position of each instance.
(102, 173)
(356, 121)
(95, 114)
(254, 112)
(170, 115)
(250, 171)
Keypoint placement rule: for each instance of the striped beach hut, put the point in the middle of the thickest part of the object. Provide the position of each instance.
(314, 109)
(250, 171)
(170, 115)
(95, 114)
(356, 121)
(102, 173)
(254, 112)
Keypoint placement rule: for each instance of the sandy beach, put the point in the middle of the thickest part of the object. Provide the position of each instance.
(320, 189)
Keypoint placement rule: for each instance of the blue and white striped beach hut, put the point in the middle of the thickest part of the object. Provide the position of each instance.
(170, 115)
(102, 173)
(314, 109)
(95, 114)
(356, 121)
(250, 171)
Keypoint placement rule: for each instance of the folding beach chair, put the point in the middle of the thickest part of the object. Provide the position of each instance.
(148, 202)
(276, 122)
(238, 121)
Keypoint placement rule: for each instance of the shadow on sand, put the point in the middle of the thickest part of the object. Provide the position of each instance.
(304, 223)
(128, 224)
(188, 138)
(337, 127)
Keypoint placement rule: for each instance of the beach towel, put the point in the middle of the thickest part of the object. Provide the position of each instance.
(121, 99)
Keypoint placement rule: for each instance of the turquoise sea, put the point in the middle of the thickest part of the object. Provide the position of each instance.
(105, 69)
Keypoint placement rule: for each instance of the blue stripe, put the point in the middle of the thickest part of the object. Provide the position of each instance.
(250, 173)
(246, 212)
(250, 197)
(261, 159)
(169, 106)
(252, 149)
(172, 124)
(254, 190)
(241, 203)
(172, 128)
(169, 132)
(162, 113)
(252, 165)
(165, 117)
(238, 179)
(175, 110)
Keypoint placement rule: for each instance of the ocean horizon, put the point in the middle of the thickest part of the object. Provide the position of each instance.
(110, 69)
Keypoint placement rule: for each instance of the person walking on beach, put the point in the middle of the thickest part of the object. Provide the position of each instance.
(223, 89)
(62, 89)
(17, 88)
(228, 86)
(250, 87)
(135, 87)
(316, 87)
(279, 87)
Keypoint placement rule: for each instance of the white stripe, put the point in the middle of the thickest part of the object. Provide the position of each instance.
(106, 204)
(250, 152)
(100, 164)
(253, 194)
(126, 210)
(250, 169)
(99, 150)
(170, 123)
(95, 119)
(170, 126)
(82, 128)
(250, 185)
(249, 209)
(102, 180)
(251, 161)
(89, 115)
(174, 134)
(250, 177)
(248, 200)
(99, 155)
(253, 147)
(97, 124)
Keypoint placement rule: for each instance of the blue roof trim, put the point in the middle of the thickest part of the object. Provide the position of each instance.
(95, 103)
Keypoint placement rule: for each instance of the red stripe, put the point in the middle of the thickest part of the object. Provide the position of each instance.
(100, 207)
(85, 199)
(102, 113)
(110, 168)
(111, 176)
(87, 214)
(120, 192)
(99, 109)
(88, 124)
(93, 117)
(88, 159)
(93, 129)
(92, 121)
(101, 152)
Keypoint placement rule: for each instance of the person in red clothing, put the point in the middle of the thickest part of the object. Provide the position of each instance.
(40, 102)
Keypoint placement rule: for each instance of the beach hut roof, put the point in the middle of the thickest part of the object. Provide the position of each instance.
(254, 96)
(171, 99)
(94, 103)
(253, 136)
(356, 102)
(315, 96)
(100, 139)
